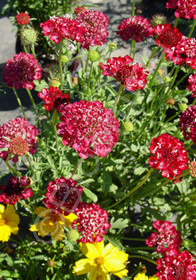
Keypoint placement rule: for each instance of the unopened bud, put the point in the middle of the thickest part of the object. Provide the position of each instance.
(28, 36)
(73, 235)
(183, 107)
(158, 19)
(113, 46)
(54, 82)
(93, 56)
(170, 102)
(167, 79)
(64, 59)
(192, 168)
(51, 263)
(128, 126)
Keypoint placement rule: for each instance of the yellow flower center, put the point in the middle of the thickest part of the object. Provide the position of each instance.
(99, 260)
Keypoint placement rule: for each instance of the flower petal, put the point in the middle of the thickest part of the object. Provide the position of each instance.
(89, 250)
(83, 266)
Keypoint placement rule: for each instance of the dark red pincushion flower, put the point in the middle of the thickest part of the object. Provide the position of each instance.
(53, 97)
(63, 195)
(132, 76)
(58, 28)
(168, 36)
(192, 84)
(96, 26)
(185, 8)
(169, 156)
(176, 266)
(22, 19)
(15, 189)
(183, 52)
(20, 71)
(136, 28)
(165, 239)
(188, 123)
(16, 129)
(91, 222)
(88, 128)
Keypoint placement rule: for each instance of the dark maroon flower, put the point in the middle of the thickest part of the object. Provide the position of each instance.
(188, 123)
(63, 195)
(88, 128)
(192, 84)
(169, 156)
(15, 189)
(20, 71)
(53, 97)
(165, 239)
(176, 266)
(133, 76)
(17, 137)
(185, 8)
(136, 28)
(22, 19)
(91, 222)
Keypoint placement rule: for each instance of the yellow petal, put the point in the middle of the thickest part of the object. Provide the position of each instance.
(99, 247)
(2, 208)
(42, 212)
(83, 266)
(5, 233)
(69, 219)
(89, 250)
(141, 276)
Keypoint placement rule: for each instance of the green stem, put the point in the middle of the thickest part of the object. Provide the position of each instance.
(173, 81)
(19, 102)
(133, 190)
(157, 68)
(144, 258)
(133, 239)
(55, 128)
(133, 8)
(89, 78)
(25, 49)
(81, 61)
(94, 85)
(60, 65)
(34, 106)
(117, 99)
(176, 22)
(12, 169)
(76, 167)
(29, 161)
(33, 50)
(192, 28)
(152, 55)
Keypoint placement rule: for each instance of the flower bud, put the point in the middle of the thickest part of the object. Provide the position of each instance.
(128, 126)
(183, 107)
(28, 36)
(93, 56)
(73, 235)
(51, 263)
(55, 82)
(158, 19)
(192, 168)
(170, 102)
(167, 79)
(112, 46)
(64, 59)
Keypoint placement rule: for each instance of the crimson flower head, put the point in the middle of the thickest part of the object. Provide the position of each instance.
(192, 84)
(21, 70)
(59, 28)
(185, 8)
(183, 52)
(91, 222)
(22, 19)
(168, 36)
(165, 239)
(96, 26)
(17, 137)
(188, 123)
(88, 128)
(53, 97)
(16, 189)
(133, 76)
(169, 156)
(63, 195)
(176, 266)
(137, 28)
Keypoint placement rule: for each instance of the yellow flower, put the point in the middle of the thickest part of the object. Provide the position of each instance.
(101, 260)
(9, 221)
(52, 223)
(142, 276)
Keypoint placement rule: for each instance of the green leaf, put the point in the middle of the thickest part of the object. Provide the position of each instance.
(90, 194)
(139, 170)
(120, 223)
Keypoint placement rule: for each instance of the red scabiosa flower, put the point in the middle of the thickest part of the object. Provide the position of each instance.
(183, 52)
(168, 36)
(21, 70)
(185, 8)
(17, 137)
(169, 156)
(96, 26)
(63, 195)
(88, 128)
(132, 76)
(15, 189)
(91, 222)
(22, 19)
(165, 239)
(58, 28)
(188, 123)
(176, 266)
(192, 84)
(136, 28)
(53, 97)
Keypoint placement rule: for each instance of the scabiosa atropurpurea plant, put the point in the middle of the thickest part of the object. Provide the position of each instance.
(165, 239)
(169, 156)
(23, 19)
(91, 222)
(133, 76)
(192, 84)
(185, 8)
(137, 28)
(21, 70)
(188, 123)
(17, 137)
(95, 24)
(53, 98)
(16, 189)
(87, 124)
(63, 195)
